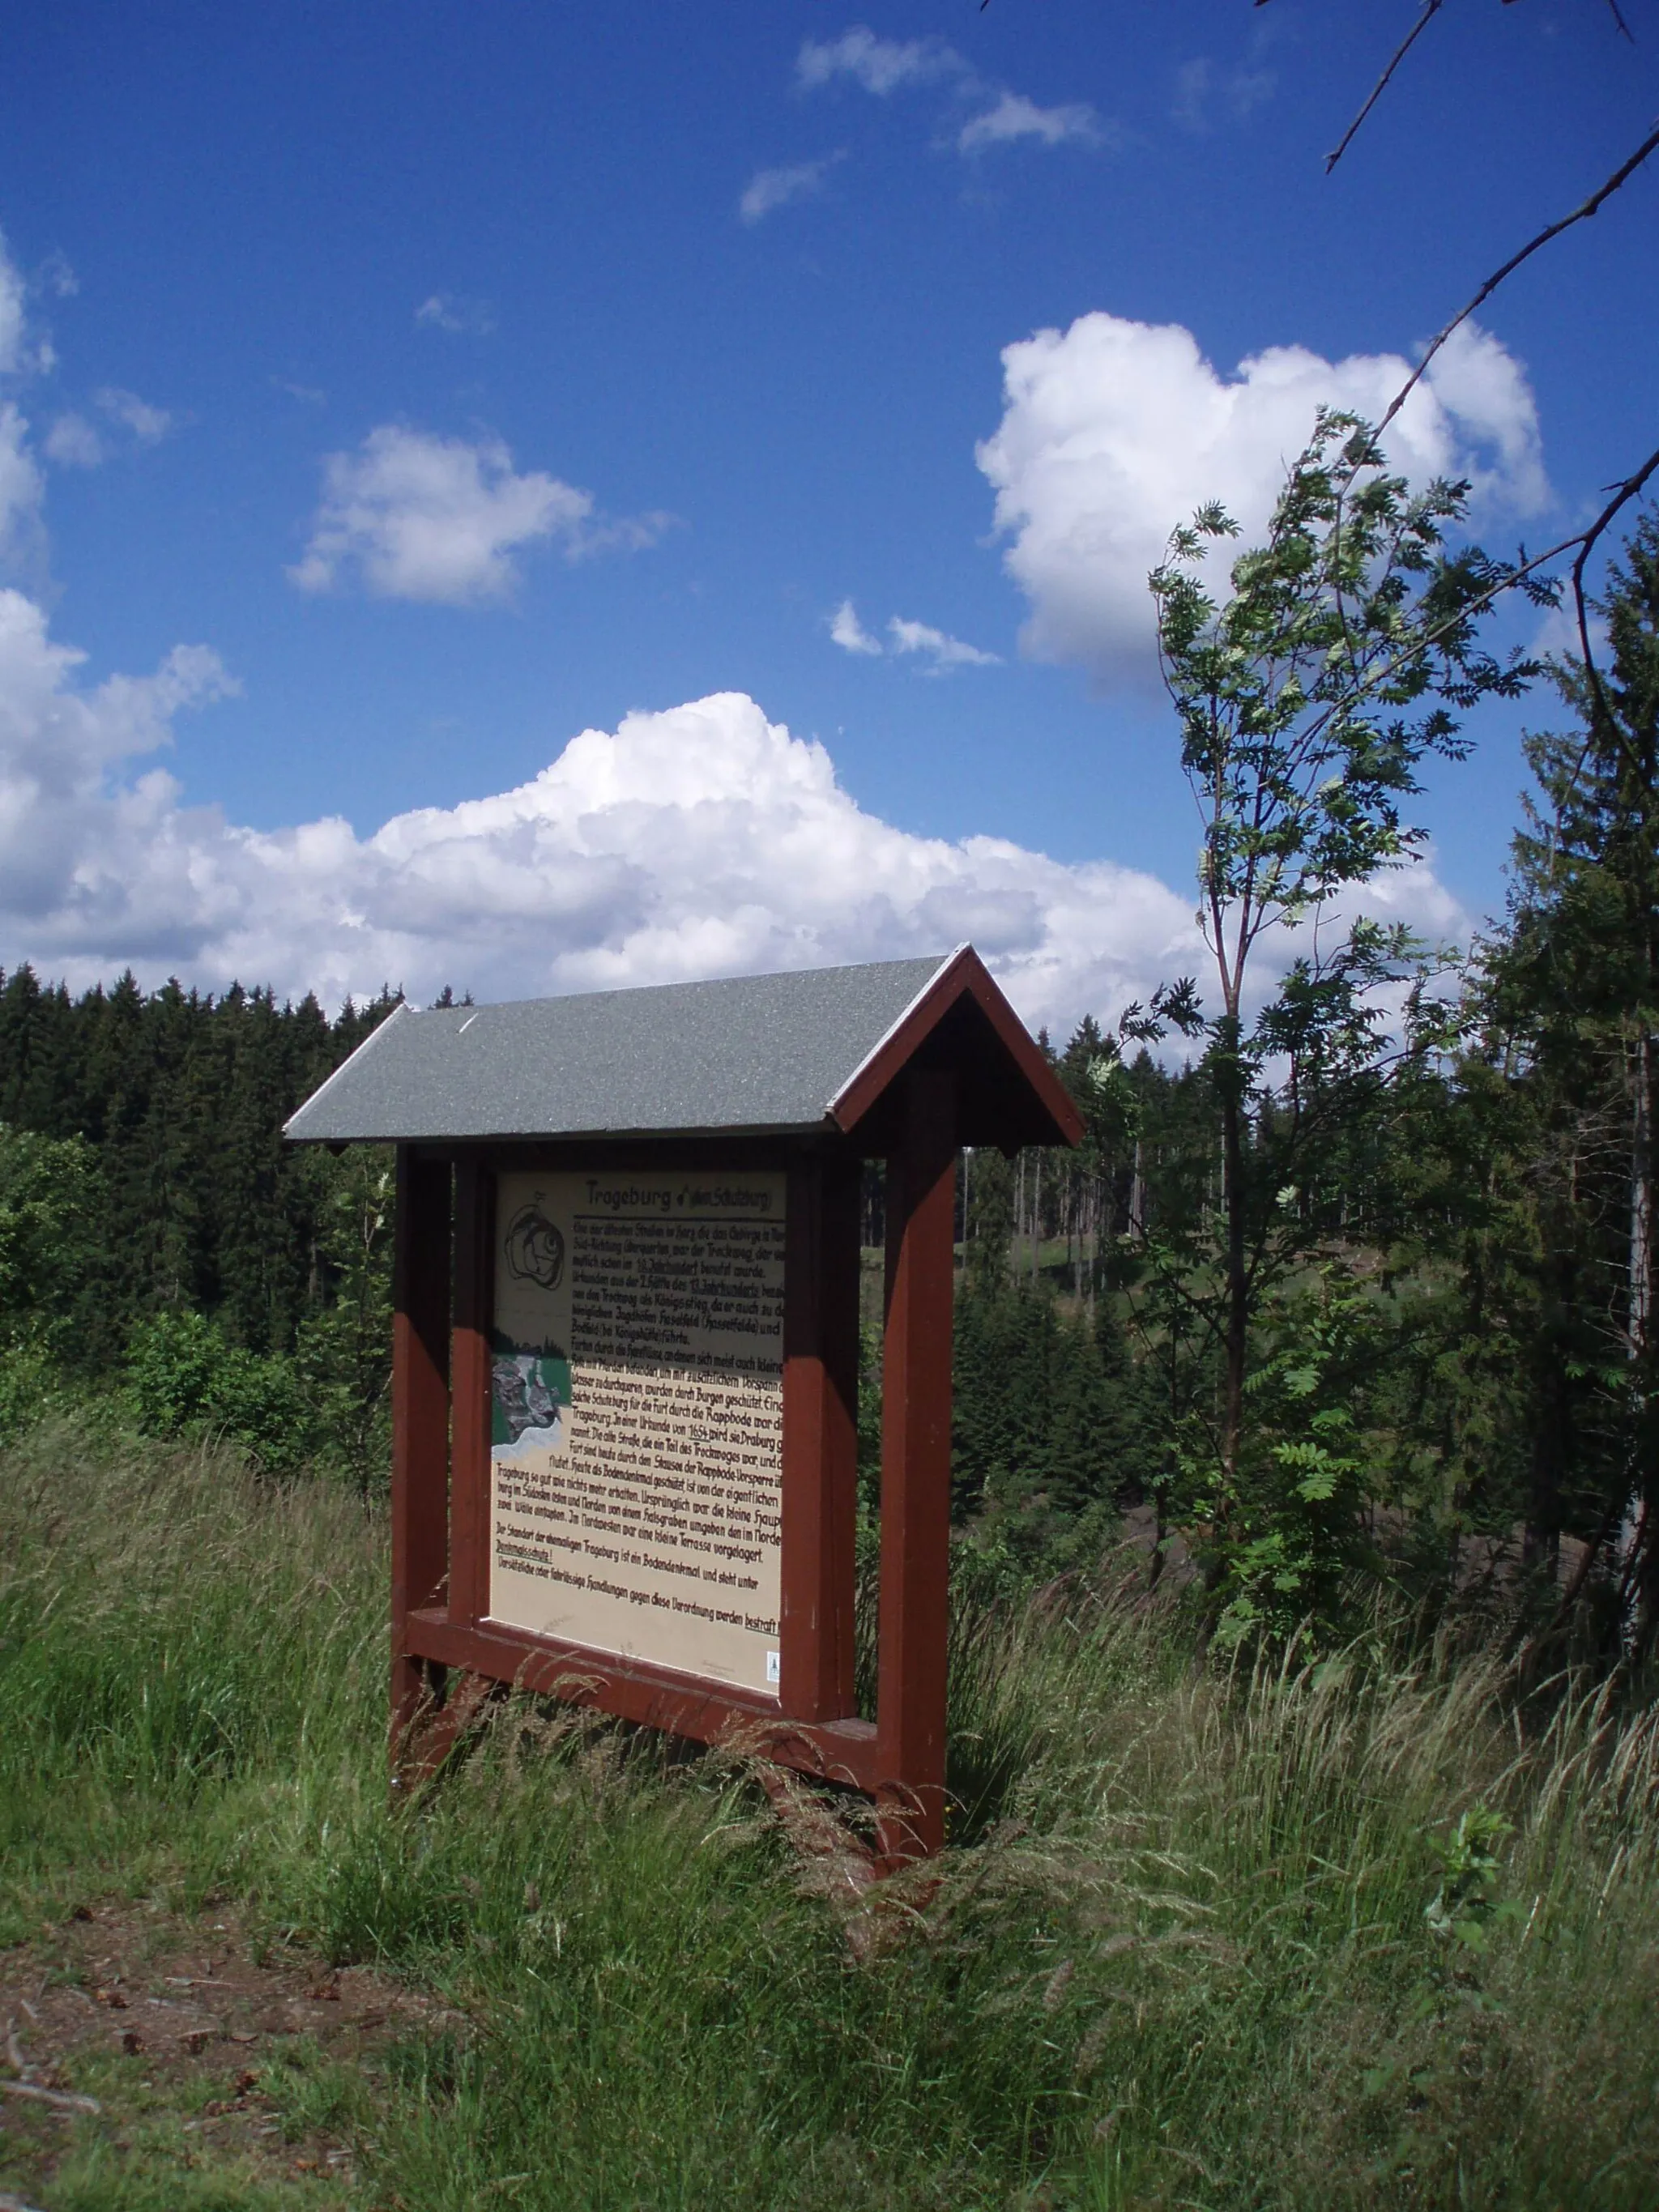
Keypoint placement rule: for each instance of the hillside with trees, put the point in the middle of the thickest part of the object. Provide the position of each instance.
(1357, 1294)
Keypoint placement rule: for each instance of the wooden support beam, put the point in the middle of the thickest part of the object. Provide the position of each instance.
(820, 1436)
(708, 1712)
(916, 1471)
(469, 1368)
(453, 1700)
(420, 1421)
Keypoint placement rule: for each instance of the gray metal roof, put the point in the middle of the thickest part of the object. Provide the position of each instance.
(748, 1052)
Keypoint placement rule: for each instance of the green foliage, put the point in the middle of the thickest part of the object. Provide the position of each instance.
(1578, 969)
(1466, 1904)
(1567, 1019)
(29, 1382)
(184, 1378)
(180, 1099)
(48, 1203)
(1294, 1510)
(151, 1219)
(1135, 1322)
(343, 1352)
(869, 1420)
(990, 1222)
(48, 1213)
(1308, 698)
(1048, 1421)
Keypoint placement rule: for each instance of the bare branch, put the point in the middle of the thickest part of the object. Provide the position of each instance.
(1622, 496)
(61, 2100)
(1431, 9)
(1619, 18)
(1603, 720)
(1581, 214)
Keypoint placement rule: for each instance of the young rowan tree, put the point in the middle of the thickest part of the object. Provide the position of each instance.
(1308, 696)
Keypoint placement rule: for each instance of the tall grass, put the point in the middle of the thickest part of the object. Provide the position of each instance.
(1176, 1955)
(191, 1658)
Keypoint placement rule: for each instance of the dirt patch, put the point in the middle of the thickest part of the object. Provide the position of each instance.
(132, 2033)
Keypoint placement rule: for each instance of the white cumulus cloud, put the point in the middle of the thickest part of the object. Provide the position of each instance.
(85, 857)
(774, 188)
(443, 311)
(935, 645)
(149, 425)
(702, 839)
(1242, 89)
(21, 489)
(22, 485)
(1113, 432)
(880, 65)
(24, 350)
(944, 651)
(849, 633)
(420, 517)
(883, 66)
(73, 443)
(1016, 117)
(14, 325)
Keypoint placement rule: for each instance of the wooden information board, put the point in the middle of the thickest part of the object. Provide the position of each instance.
(625, 1371)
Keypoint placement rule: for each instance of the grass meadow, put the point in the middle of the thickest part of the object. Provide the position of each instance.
(1200, 1939)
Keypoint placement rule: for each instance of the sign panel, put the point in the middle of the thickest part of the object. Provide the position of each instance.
(637, 1416)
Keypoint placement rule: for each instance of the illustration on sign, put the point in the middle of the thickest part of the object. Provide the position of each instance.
(530, 1379)
(636, 1416)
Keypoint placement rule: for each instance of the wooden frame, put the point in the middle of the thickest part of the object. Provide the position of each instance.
(420, 1423)
(440, 1492)
(916, 1471)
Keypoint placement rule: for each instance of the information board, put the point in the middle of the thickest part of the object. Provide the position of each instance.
(637, 1416)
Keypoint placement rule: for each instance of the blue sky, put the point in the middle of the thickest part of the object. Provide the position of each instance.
(465, 378)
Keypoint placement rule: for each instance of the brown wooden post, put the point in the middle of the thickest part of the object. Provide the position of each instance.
(820, 1436)
(420, 1419)
(469, 1369)
(916, 1471)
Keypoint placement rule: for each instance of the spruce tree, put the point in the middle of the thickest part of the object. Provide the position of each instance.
(1574, 991)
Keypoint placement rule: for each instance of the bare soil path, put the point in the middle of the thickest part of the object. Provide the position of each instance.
(138, 2043)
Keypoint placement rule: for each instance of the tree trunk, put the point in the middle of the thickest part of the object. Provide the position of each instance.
(967, 1196)
(1641, 1202)
(1540, 1542)
(1017, 1238)
(1036, 1213)
(1635, 1546)
(1238, 1288)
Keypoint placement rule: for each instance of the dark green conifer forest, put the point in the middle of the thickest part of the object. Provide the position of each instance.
(155, 1233)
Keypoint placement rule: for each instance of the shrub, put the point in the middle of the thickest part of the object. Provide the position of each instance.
(185, 1379)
